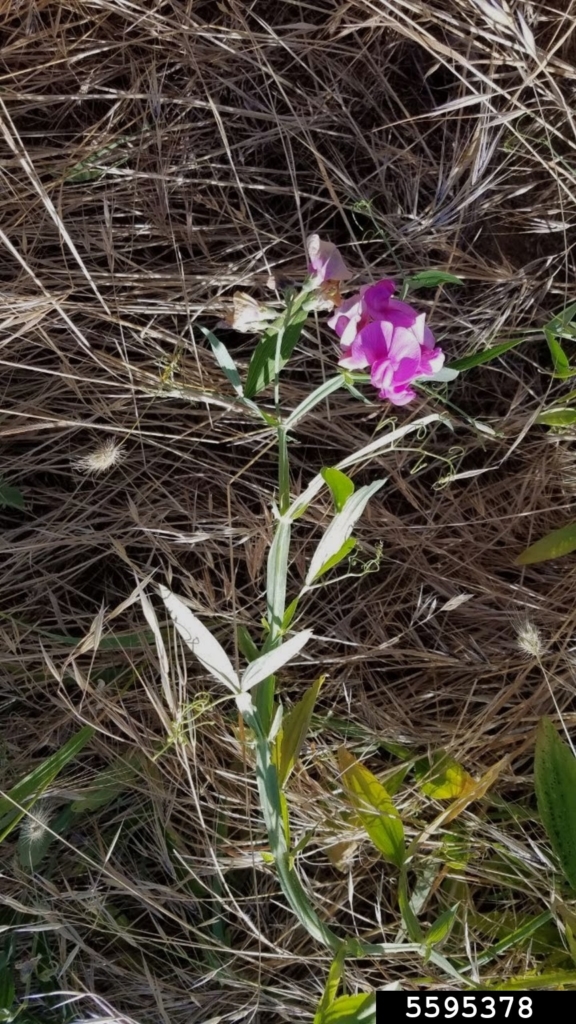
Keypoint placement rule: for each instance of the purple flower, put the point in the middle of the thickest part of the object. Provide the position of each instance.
(389, 337)
(326, 263)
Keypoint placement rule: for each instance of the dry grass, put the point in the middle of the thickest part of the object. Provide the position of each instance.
(154, 157)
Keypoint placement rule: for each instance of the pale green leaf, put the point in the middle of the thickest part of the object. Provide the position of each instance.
(224, 360)
(553, 545)
(340, 528)
(338, 557)
(268, 664)
(555, 784)
(560, 360)
(318, 395)
(200, 641)
(277, 574)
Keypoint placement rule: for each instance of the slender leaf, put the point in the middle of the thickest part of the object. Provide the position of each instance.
(277, 574)
(555, 784)
(560, 360)
(553, 545)
(341, 486)
(431, 279)
(246, 644)
(224, 360)
(200, 641)
(318, 395)
(375, 809)
(443, 376)
(557, 417)
(268, 664)
(7, 994)
(292, 736)
(338, 557)
(26, 792)
(340, 529)
(485, 356)
(333, 980)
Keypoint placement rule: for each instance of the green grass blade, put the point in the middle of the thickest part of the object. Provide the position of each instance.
(486, 356)
(25, 792)
(555, 784)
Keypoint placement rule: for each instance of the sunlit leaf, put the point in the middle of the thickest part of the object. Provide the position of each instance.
(441, 927)
(293, 733)
(340, 529)
(224, 360)
(553, 545)
(268, 664)
(340, 485)
(200, 641)
(557, 417)
(360, 1009)
(560, 360)
(555, 784)
(442, 778)
(375, 809)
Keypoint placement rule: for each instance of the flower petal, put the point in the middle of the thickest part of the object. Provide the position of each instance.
(326, 263)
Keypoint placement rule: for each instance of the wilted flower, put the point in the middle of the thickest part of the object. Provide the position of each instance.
(388, 336)
(326, 263)
(248, 315)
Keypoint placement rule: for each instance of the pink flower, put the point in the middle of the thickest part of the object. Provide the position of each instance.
(390, 337)
(326, 263)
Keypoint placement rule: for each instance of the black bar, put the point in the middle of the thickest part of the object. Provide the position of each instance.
(477, 1005)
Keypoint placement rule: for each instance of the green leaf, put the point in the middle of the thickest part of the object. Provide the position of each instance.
(560, 360)
(485, 356)
(10, 497)
(7, 993)
(340, 485)
(224, 360)
(292, 736)
(360, 1009)
(333, 979)
(26, 792)
(442, 778)
(563, 321)
(200, 640)
(246, 644)
(555, 784)
(269, 663)
(553, 545)
(557, 417)
(289, 614)
(375, 809)
(431, 279)
(340, 529)
(338, 557)
(277, 574)
(283, 333)
(319, 395)
(442, 926)
(411, 922)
